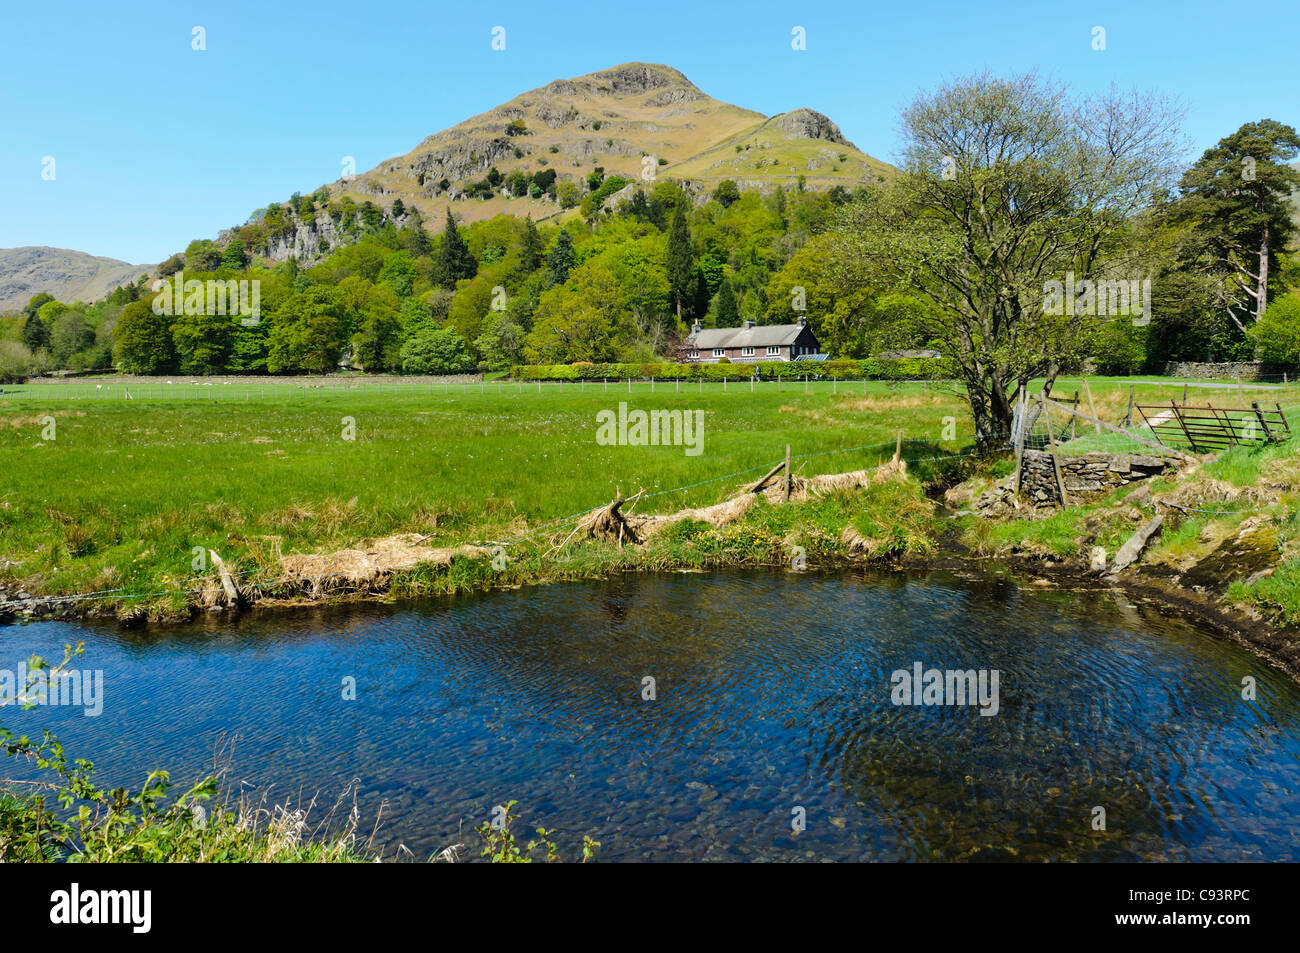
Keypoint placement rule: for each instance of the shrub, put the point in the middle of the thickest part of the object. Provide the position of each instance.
(436, 351)
(16, 362)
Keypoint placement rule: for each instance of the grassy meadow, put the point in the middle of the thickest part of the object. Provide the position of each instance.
(126, 488)
(108, 494)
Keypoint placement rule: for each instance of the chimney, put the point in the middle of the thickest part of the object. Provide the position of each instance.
(748, 324)
(695, 328)
(803, 321)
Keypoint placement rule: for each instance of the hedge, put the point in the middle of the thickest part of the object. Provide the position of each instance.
(917, 368)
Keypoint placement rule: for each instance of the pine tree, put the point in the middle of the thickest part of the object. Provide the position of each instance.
(728, 312)
(680, 260)
(454, 259)
(530, 258)
(562, 258)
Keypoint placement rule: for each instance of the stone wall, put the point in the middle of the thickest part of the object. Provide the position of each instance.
(1086, 476)
(1246, 370)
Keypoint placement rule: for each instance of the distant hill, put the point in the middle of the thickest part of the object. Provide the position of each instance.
(66, 274)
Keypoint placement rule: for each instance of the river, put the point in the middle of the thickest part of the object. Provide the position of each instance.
(774, 707)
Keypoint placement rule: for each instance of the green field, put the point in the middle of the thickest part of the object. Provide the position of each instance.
(126, 488)
(108, 494)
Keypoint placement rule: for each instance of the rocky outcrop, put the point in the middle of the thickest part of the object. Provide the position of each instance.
(808, 124)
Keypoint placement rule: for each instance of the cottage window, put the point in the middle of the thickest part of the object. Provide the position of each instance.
(746, 352)
(695, 353)
(773, 349)
(719, 352)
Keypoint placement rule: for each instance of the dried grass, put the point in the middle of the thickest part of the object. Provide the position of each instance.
(367, 569)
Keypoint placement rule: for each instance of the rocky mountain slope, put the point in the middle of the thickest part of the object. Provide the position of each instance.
(639, 120)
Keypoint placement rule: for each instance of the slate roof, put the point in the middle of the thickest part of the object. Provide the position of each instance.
(760, 335)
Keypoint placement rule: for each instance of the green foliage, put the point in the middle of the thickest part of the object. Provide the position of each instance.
(681, 258)
(436, 351)
(16, 362)
(142, 340)
(1277, 333)
(234, 256)
(455, 262)
(500, 847)
(202, 255)
(561, 259)
(309, 333)
(726, 193)
(35, 333)
(580, 320)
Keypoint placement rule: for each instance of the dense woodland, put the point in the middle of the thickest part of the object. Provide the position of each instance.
(628, 270)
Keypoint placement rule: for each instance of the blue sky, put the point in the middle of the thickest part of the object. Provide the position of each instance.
(155, 143)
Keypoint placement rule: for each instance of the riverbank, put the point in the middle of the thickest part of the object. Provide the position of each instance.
(147, 514)
(1226, 551)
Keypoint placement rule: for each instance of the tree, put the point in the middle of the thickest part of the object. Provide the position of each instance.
(1007, 186)
(530, 253)
(399, 208)
(454, 259)
(502, 342)
(562, 258)
(436, 351)
(726, 193)
(37, 302)
(16, 362)
(568, 194)
(233, 256)
(1277, 333)
(202, 254)
(680, 260)
(728, 314)
(69, 335)
(582, 320)
(309, 333)
(35, 334)
(203, 342)
(1237, 195)
(142, 340)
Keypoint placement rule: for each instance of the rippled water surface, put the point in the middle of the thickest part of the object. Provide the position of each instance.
(773, 693)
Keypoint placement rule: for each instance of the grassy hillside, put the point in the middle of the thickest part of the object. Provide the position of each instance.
(628, 120)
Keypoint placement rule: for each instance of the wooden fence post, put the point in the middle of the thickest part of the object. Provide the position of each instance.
(1019, 427)
(1128, 418)
(1092, 407)
(787, 473)
(1051, 449)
